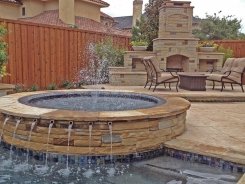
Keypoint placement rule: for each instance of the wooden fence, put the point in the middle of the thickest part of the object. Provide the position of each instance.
(238, 46)
(43, 54)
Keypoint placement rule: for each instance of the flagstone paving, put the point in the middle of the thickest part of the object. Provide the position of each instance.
(214, 129)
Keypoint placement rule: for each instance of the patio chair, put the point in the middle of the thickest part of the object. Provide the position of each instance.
(158, 76)
(148, 72)
(234, 76)
(226, 68)
(149, 79)
(215, 75)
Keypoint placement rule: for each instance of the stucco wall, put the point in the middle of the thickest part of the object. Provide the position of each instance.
(51, 5)
(33, 7)
(66, 11)
(88, 10)
(9, 11)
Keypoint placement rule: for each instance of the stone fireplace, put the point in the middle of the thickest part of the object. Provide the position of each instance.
(177, 63)
(175, 46)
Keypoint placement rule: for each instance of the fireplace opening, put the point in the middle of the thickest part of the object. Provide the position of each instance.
(178, 63)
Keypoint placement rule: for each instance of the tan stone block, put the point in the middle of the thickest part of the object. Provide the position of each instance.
(148, 144)
(130, 125)
(62, 142)
(160, 133)
(42, 140)
(178, 130)
(85, 143)
(129, 142)
(167, 123)
(113, 145)
(135, 134)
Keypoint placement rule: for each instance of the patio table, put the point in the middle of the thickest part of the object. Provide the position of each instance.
(192, 81)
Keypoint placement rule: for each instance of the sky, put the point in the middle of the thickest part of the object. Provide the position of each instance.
(234, 7)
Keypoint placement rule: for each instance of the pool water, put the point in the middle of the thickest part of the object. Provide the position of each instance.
(160, 170)
(92, 101)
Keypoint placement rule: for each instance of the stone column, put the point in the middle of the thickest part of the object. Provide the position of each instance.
(67, 11)
(137, 11)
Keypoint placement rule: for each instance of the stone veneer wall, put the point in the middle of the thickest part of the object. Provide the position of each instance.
(128, 136)
(127, 75)
(139, 130)
(181, 46)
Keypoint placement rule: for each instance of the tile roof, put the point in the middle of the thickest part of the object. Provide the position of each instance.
(102, 14)
(51, 17)
(105, 4)
(12, 1)
(124, 22)
(100, 2)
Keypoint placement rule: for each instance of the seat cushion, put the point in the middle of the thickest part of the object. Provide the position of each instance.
(236, 79)
(227, 65)
(215, 77)
(167, 77)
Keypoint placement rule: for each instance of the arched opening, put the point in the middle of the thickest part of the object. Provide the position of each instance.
(177, 63)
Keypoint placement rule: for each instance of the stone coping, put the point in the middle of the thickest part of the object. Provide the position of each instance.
(11, 106)
(6, 86)
(145, 52)
(242, 180)
(128, 73)
(210, 53)
(189, 38)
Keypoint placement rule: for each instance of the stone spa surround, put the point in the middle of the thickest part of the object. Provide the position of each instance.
(133, 131)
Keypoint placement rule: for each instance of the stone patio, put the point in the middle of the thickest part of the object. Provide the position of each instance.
(213, 129)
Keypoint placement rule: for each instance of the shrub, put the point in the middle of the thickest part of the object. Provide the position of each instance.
(139, 35)
(52, 86)
(100, 56)
(207, 43)
(34, 88)
(228, 53)
(67, 84)
(3, 50)
(110, 53)
(139, 43)
(19, 88)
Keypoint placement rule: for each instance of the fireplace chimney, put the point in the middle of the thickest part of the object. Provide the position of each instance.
(137, 11)
(67, 11)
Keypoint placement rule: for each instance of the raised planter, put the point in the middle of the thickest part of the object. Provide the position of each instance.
(207, 49)
(139, 48)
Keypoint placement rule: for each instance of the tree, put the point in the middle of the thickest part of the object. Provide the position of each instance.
(139, 32)
(214, 27)
(3, 50)
(152, 20)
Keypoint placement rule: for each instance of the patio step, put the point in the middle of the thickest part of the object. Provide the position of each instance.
(227, 154)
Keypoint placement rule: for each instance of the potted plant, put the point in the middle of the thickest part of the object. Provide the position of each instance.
(3, 51)
(139, 45)
(207, 46)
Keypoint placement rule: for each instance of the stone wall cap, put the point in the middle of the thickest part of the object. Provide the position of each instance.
(210, 53)
(195, 39)
(10, 105)
(135, 52)
(118, 67)
(6, 86)
(128, 73)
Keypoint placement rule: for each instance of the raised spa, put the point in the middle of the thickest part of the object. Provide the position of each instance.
(90, 122)
(92, 101)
